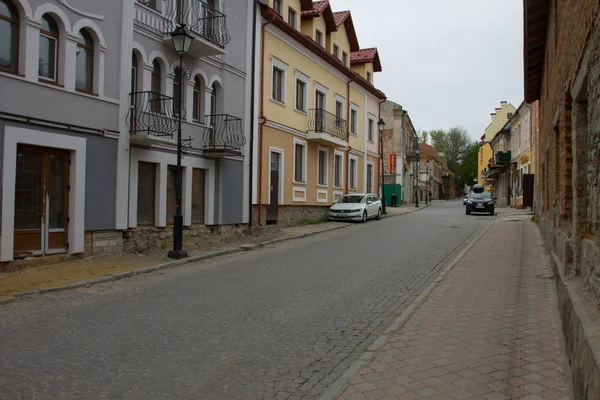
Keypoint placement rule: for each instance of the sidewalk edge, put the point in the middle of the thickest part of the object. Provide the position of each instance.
(166, 265)
(341, 383)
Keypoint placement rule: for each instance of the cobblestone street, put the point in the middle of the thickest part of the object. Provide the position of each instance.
(285, 321)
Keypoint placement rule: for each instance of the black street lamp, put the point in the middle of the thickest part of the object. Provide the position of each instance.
(418, 151)
(182, 41)
(427, 181)
(381, 126)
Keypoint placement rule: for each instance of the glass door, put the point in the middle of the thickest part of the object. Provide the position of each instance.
(41, 201)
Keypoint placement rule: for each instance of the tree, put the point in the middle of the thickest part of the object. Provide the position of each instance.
(467, 170)
(423, 136)
(438, 139)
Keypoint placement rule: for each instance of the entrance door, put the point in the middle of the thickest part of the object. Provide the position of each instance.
(528, 188)
(41, 201)
(272, 209)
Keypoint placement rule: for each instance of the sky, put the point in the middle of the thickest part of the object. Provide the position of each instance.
(447, 63)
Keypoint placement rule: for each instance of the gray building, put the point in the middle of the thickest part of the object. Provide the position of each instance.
(87, 133)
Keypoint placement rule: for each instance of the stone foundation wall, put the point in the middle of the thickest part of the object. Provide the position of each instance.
(103, 242)
(292, 215)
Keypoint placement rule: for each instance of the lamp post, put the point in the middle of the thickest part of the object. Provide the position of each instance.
(381, 127)
(418, 151)
(427, 181)
(182, 41)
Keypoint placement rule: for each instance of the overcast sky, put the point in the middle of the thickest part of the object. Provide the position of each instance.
(446, 62)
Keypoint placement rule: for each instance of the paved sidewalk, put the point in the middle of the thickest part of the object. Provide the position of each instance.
(490, 330)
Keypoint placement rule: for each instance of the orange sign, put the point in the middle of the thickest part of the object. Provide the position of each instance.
(392, 163)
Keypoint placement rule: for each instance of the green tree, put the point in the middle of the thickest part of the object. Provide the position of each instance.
(423, 136)
(467, 169)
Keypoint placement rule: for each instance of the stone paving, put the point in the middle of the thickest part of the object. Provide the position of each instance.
(490, 330)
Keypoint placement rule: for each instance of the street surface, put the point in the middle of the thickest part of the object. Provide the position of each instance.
(280, 322)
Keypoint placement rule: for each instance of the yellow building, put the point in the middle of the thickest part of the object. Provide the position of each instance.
(500, 117)
(317, 112)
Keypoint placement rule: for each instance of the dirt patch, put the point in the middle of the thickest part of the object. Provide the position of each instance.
(52, 273)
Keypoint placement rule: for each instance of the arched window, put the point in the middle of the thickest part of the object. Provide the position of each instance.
(134, 73)
(156, 86)
(177, 91)
(48, 62)
(9, 37)
(197, 111)
(84, 78)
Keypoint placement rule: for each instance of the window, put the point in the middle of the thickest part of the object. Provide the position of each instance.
(339, 114)
(146, 193)
(319, 38)
(213, 106)
(292, 17)
(84, 61)
(322, 167)
(299, 152)
(9, 35)
(47, 67)
(171, 193)
(369, 77)
(336, 51)
(353, 173)
(338, 170)
(197, 99)
(177, 98)
(198, 192)
(155, 87)
(371, 136)
(345, 58)
(278, 84)
(369, 178)
(277, 6)
(353, 121)
(300, 95)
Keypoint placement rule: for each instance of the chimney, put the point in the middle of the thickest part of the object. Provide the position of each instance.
(503, 103)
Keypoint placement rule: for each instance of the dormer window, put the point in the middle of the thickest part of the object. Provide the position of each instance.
(319, 38)
(345, 58)
(292, 17)
(336, 51)
(369, 77)
(278, 7)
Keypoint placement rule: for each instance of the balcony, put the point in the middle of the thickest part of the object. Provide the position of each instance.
(502, 157)
(152, 118)
(205, 23)
(411, 152)
(326, 128)
(223, 136)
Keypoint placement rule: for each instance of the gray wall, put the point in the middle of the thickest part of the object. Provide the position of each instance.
(100, 176)
(232, 173)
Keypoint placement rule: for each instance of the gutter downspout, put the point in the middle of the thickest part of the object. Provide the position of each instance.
(252, 116)
(381, 147)
(347, 185)
(403, 153)
(263, 120)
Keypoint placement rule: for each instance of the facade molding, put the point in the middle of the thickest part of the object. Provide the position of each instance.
(82, 13)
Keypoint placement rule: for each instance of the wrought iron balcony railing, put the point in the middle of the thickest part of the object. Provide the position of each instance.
(199, 17)
(224, 133)
(152, 114)
(320, 121)
(412, 149)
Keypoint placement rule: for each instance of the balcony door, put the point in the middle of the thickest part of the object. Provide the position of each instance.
(41, 201)
(320, 111)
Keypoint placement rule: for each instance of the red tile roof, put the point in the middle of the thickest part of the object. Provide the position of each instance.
(318, 8)
(340, 17)
(321, 8)
(366, 56)
(429, 150)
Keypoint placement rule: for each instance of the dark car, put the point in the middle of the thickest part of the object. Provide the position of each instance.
(480, 203)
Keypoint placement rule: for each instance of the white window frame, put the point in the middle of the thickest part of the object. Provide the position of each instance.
(282, 66)
(304, 162)
(336, 51)
(340, 154)
(371, 123)
(353, 109)
(369, 77)
(319, 34)
(278, 6)
(299, 76)
(353, 185)
(342, 100)
(345, 58)
(292, 21)
(325, 150)
(281, 194)
(373, 182)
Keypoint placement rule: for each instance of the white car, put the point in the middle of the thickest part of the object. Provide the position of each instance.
(356, 207)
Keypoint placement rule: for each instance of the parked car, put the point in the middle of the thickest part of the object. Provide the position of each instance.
(356, 207)
(482, 202)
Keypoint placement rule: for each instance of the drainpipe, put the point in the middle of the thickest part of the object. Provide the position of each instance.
(263, 120)
(403, 152)
(252, 117)
(347, 185)
(382, 150)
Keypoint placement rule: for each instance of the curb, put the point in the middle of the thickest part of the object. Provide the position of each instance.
(415, 209)
(166, 265)
(341, 383)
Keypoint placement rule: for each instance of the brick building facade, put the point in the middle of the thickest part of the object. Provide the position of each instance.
(562, 71)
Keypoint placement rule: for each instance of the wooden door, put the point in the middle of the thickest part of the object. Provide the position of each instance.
(41, 201)
(528, 189)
